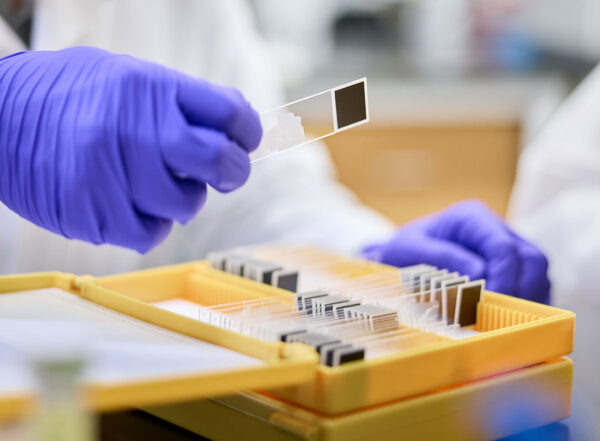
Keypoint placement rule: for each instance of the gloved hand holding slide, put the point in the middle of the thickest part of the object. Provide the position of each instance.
(109, 148)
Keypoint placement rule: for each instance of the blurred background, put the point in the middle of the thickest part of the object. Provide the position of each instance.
(456, 87)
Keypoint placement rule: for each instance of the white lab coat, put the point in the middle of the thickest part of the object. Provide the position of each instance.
(556, 198)
(292, 197)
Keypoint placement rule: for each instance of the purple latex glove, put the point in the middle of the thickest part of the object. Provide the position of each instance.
(108, 148)
(469, 238)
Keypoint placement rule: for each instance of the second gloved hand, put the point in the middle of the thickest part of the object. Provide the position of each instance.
(468, 238)
(108, 148)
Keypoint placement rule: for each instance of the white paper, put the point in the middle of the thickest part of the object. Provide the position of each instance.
(181, 307)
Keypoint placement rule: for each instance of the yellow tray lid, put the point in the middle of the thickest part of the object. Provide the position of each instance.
(132, 361)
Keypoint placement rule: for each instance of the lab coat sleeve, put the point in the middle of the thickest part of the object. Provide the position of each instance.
(556, 197)
(293, 197)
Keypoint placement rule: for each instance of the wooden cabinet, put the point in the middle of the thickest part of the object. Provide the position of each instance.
(408, 171)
